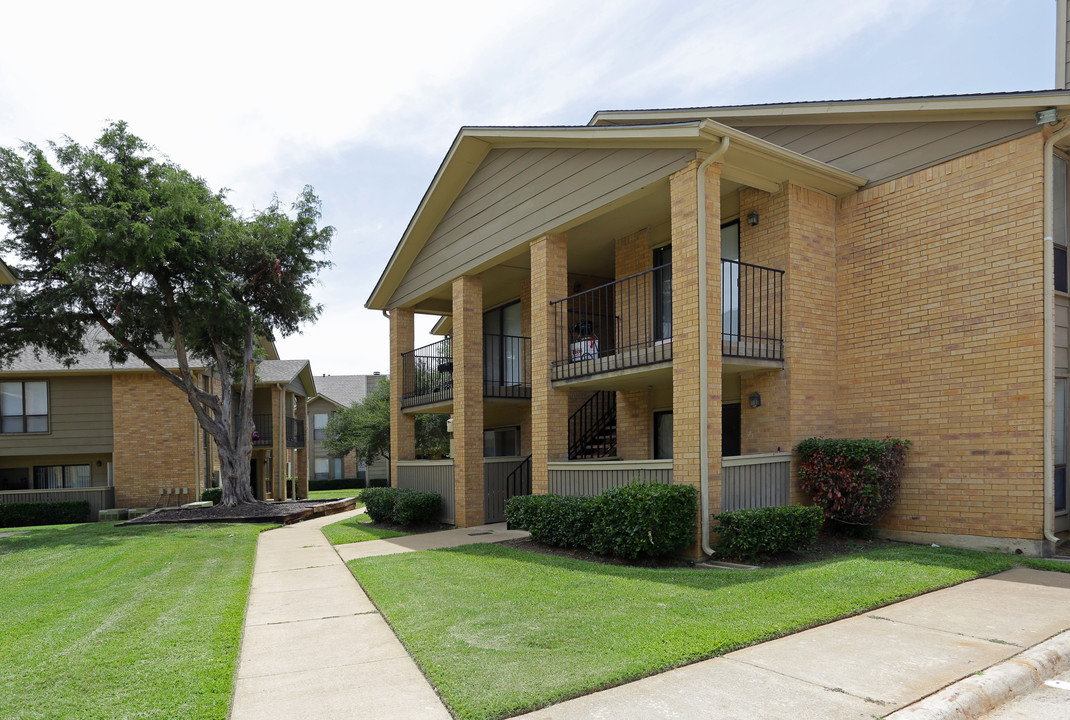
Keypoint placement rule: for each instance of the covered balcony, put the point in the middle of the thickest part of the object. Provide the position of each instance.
(627, 323)
(427, 372)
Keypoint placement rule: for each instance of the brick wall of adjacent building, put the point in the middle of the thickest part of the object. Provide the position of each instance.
(156, 439)
(549, 407)
(940, 308)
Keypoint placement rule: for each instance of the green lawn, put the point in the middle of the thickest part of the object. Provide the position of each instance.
(357, 529)
(135, 622)
(520, 630)
(333, 494)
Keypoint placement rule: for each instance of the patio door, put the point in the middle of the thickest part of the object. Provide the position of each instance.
(730, 282)
(1062, 413)
(502, 361)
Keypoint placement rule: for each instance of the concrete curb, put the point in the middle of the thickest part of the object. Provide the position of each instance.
(979, 694)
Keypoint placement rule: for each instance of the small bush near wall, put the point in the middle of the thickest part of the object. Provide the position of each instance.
(760, 533)
(336, 484)
(402, 506)
(378, 483)
(213, 495)
(44, 513)
(639, 520)
(855, 481)
(648, 520)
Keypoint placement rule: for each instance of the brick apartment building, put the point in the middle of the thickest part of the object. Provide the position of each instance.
(122, 436)
(683, 295)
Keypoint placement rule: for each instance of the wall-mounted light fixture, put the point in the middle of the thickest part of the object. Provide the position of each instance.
(1049, 115)
(755, 400)
(752, 218)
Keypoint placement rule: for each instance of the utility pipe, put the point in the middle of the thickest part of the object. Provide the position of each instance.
(1049, 335)
(703, 342)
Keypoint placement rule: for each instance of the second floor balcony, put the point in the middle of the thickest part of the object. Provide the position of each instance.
(264, 435)
(427, 372)
(629, 323)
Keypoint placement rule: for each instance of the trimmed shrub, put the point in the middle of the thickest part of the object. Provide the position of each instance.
(336, 484)
(855, 481)
(44, 513)
(644, 520)
(565, 521)
(638, 520)
(522, 510)
(401, 506)
(380, 483)
(759, 533)
(416, 507)
(379, 503)
(213, 495)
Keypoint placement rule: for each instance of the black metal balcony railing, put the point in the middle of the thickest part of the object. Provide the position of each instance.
(622, 324)
(427, 372)
(295, 433)
(262, 436)
(752, 311)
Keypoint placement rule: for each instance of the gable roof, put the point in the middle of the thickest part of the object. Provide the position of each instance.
(472, 145)
(345, 390)
(94, 360)
(6, 276)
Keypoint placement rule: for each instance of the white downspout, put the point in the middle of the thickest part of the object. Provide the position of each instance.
(1049, 335)
(703, 353)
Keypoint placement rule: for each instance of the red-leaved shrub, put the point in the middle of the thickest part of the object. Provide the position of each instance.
(855, 481)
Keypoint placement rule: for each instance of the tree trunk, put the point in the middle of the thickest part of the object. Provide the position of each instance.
(235, 479)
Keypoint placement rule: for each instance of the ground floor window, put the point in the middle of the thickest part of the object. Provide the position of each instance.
(1062, 401)
(15, 478)
(322, 471)
(338, 469)
(501, 442)
(55, 477)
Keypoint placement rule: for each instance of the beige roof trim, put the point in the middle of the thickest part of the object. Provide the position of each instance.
(987, 107)
(748, 159)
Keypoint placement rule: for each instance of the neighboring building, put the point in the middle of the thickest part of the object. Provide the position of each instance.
(122, 436)
(6, 276)
(334, 393)
(684, 295)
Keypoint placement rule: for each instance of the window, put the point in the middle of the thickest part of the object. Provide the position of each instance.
(501, 442)
(502, 353)
(730, 309)
(319, 426)
(322, 468)
(662, 283)
(24, 407)
(1059, 214)
(55, 477)
(1062, 402)
(337, 469)
(663, 435)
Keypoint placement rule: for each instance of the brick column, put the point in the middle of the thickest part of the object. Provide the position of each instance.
(278, 444)
(549, 407)
(402, 426)
(688, 431)
(468, 400)
(302, 454)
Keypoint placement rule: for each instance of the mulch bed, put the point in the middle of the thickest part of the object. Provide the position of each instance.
(828, 546)
(262, 512)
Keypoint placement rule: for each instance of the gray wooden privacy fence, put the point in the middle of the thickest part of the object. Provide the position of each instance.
(594, 478)
(433, 476)
(99, 498)
(752, 481)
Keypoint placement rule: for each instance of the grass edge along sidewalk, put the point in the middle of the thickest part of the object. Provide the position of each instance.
(101, 621)
(523, 630)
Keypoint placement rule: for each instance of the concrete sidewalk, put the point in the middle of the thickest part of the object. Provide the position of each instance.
(314, 646)
(862, 667)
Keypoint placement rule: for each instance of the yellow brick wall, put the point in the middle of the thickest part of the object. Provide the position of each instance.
(402, 425)
(156, 441)
(549, 407)
(940, 307)
(468, 400)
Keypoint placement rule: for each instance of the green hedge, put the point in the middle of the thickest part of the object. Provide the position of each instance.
(402, 506)
(638, 520)
(44, 513)
(215, 495)
(336, 484)
(759, 533)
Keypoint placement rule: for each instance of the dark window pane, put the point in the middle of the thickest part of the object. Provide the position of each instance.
(1060, 268)
(1060, 489)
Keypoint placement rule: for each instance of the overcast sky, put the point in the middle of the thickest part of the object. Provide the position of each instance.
(361, 100)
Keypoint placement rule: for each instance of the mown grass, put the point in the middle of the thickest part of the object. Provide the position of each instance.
(520, 630)
(357, 529)
(134, 622)
(333, 494)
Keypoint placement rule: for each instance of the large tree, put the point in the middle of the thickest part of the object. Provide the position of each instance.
(114, 236)
(364, 429)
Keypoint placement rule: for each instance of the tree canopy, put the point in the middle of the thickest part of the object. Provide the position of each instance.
(113, 236)
(364, 429)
